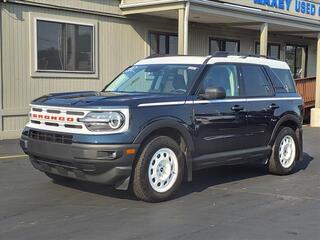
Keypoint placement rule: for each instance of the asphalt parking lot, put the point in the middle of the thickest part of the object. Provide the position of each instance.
(235, 202)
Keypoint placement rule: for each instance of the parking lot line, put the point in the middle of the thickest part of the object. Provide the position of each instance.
(12, 157)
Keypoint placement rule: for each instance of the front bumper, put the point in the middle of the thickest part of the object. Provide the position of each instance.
(107, 164)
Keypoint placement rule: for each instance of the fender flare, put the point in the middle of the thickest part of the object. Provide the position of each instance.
(180, 127)
(287, 117)
(293, 118)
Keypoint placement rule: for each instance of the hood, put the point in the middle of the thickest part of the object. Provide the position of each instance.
(105, 99)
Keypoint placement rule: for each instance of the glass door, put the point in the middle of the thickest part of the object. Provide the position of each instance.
(296, 57)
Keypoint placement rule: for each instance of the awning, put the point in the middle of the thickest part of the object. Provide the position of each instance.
(228, 14)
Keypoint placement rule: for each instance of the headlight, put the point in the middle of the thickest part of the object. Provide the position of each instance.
(104, 121)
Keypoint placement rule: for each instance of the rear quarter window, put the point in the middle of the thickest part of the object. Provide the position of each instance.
(285, 78)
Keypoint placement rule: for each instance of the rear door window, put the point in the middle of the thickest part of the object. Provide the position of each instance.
(256, 83)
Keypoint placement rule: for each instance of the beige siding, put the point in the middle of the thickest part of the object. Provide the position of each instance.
(199, 39)
(119, 45)
(13, 126)
(102, 6)
(14, 123)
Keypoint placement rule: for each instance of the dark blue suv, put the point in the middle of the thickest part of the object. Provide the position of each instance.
(165, 117)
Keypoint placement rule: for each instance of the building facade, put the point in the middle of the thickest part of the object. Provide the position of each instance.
(74, 45)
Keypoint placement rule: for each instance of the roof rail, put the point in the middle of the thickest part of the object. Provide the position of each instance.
(244, 55)
(156, 55)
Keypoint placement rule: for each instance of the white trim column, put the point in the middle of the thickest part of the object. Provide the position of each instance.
(183, 29)
(181, 35)
(264, 39)
(315, 112)
(186, 29)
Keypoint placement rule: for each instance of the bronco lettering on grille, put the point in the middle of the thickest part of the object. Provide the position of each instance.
(52, 118)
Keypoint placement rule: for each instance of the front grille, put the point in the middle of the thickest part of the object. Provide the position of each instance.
(53, 111)
(57, 119)
(75, 113)
(55, 163)
(50, 137)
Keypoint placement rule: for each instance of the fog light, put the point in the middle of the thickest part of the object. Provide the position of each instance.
(108, 155)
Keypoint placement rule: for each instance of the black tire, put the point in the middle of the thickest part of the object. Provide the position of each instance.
(275, 166)
(141, 185)
(58, 178)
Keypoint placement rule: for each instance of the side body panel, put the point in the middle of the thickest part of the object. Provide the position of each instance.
(218, 128)
(264, 115)
(260, 121)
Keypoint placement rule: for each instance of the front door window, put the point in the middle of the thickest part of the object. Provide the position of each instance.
(224, 76)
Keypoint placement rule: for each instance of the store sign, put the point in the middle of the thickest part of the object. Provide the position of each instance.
(279, 4)
(300, 8)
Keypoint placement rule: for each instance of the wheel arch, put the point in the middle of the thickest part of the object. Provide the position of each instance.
(294, 122)
(174, 129)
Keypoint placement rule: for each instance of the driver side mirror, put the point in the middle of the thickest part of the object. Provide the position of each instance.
(211, 93)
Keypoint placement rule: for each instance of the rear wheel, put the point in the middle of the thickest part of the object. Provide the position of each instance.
(285, 152)
(159, 170)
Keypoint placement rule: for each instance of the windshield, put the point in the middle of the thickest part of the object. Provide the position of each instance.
(155, 78)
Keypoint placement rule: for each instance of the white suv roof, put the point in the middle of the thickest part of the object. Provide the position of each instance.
(172, 60)
(228, 59)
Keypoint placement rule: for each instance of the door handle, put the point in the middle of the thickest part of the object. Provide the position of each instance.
(237, 108)
(273, 106)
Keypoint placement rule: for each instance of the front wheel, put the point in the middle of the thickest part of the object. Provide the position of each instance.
(285, 152)
(159, 170)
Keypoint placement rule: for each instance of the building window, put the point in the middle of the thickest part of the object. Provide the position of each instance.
(273, 50)
(225, 45)
(163, 43)
(296, 57)
(64, 47)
